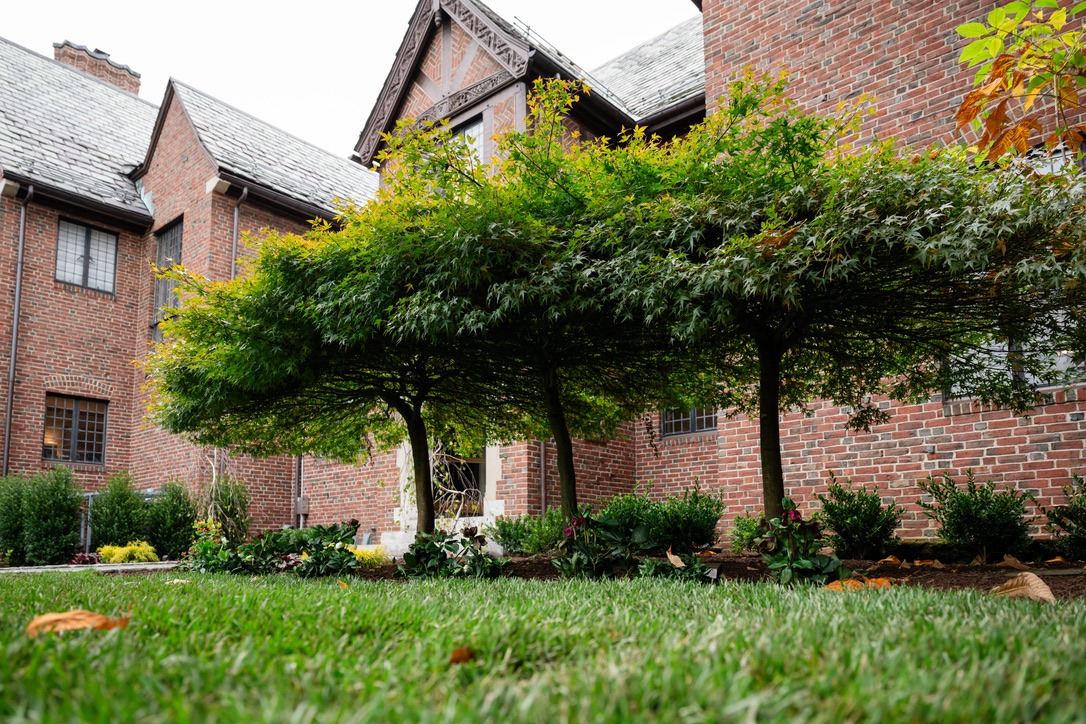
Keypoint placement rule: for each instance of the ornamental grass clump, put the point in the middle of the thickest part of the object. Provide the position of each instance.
(978, 520)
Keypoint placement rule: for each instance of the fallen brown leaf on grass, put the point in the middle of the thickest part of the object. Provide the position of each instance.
(72, 621)
(342, 584)
(1025, 585)
(462, 655)
(889, 560)
(1010, 561)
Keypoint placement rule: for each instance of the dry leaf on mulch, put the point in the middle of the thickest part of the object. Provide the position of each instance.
(1010, 561)
(72, 621)
(857, 582)
(1025, 585)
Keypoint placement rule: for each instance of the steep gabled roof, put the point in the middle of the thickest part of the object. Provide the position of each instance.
(659, 73)
(665, 73)
(256, 152)
(69, 133)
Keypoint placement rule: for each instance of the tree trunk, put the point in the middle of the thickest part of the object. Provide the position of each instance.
(769, 427)
(420, 460)
(556, 419)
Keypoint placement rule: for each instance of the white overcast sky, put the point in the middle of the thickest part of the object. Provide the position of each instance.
(311, 68)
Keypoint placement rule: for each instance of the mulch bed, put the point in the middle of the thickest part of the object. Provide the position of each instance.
(1066, 579)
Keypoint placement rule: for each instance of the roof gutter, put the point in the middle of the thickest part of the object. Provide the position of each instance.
(277, 200)
(9, 412)
(115, 216)
(682, 111)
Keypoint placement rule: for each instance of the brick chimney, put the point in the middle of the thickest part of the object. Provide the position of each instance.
(98, 64)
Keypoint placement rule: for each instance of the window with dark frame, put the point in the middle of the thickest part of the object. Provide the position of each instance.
(86, 257)
(168, 256)
(75, 430)
(682, 422)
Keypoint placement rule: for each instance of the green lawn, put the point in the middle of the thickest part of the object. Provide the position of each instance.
(228, 648)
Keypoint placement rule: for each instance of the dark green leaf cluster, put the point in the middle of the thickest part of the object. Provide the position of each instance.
(170, 520)
(1067, 522)
(51, 507)
(790, 547)
(976, 518)
(861, 527)
(447, 555)
(682, 523)
(118, 514)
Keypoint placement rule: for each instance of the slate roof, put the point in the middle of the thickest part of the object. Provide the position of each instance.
(254, 150)
(64, 129)
(659, 73)
(648, 78)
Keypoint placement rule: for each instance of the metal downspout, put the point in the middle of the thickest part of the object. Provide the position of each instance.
(542, 478)
(234, 248)
(9, 413)
(299, 518)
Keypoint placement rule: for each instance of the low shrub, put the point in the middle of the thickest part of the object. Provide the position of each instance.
(11, 520)
(118, 513)
(861, 526)
(1067, 523)
(683, 523)
(512, 533)
(687, 523)
(51, 506)
(137, 551)
(170, 521)
(789, 545)
(545, 534)
(978, 520)
(744, 533)
(226, 500)
(632, 512)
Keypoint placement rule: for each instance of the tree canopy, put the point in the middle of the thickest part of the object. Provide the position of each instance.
(757, 263)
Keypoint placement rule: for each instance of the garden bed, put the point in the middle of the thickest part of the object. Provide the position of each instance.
(1066, 579)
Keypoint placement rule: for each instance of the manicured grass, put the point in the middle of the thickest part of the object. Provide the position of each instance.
(228, 648)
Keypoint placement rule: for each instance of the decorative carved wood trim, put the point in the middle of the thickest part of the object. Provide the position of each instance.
(461, 99)
(512, 55)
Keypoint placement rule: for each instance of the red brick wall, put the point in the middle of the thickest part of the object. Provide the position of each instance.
(177, 181)
(905, 54)
(368, 492)
(72, 341)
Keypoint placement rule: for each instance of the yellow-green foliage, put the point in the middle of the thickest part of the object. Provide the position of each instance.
(136, 551)
(370, 557)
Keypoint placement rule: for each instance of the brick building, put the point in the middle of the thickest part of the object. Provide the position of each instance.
(98, 185)
(461, 61)
(112, 172)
